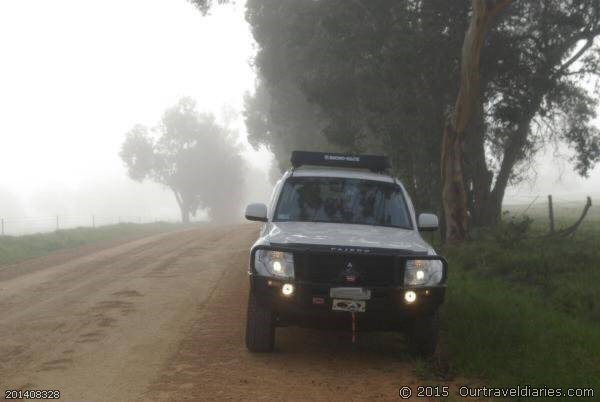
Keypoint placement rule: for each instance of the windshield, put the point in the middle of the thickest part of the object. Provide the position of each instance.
(341, 200)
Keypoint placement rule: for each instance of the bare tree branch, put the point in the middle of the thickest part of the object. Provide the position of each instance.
(565, 66)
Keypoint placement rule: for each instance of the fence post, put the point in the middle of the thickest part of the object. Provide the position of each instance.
(2, 220)
(93, 221)
(57, 222)
(551, 213)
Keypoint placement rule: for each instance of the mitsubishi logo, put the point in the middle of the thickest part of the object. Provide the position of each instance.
(350, 275)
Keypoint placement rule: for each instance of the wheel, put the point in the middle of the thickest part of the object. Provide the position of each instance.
(260, 328)
(423, 334)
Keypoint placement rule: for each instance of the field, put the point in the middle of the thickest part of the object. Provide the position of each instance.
(523, 308)
(17, 248)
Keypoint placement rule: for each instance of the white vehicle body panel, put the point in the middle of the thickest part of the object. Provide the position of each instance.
(341, 234)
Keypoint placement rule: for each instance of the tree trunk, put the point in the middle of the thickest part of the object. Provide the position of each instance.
(185, 214)
(488, 210)
(184, 207)
(454, 196)
(477, 173)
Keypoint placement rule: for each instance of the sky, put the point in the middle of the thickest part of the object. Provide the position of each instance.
(76, 75)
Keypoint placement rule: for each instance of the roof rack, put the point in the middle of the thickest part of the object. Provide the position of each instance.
(375, 163)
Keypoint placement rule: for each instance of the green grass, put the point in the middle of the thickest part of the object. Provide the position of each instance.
(565, 272)
(565, 214)
(18, 248)
(522, 308)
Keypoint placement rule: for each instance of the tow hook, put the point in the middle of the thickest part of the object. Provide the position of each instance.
(354, 333)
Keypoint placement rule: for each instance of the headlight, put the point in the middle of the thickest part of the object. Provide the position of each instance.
(274, 263)
(423, 272)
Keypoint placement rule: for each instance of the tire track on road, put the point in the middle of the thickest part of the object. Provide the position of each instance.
(97, 327)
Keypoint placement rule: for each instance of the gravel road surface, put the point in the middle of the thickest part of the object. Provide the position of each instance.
(162, 319)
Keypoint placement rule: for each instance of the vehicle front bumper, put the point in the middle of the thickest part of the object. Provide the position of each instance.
(310, 304)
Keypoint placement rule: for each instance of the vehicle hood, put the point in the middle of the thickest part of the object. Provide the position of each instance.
(341, 234)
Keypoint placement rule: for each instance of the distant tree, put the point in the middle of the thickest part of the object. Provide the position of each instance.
(194, 157)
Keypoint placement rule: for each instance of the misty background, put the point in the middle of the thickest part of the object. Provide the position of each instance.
(76, 76)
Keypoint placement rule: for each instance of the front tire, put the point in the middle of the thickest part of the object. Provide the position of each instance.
(260, 326)
(423, 334)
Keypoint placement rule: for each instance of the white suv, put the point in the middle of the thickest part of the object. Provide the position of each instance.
(340, 248)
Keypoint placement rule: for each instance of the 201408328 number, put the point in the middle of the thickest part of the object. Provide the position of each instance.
(32, 394)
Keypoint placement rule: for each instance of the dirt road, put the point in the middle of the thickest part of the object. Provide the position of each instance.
(161, 319)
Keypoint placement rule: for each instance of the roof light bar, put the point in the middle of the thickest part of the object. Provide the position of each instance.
(375, 163)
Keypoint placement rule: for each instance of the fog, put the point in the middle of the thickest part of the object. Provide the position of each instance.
(77, 75)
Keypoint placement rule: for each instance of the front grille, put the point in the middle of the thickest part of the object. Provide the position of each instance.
(346, 269)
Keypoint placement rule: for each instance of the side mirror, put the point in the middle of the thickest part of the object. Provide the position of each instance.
(256, 212)
(428, 222)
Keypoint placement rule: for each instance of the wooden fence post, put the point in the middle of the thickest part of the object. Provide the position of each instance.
(2, 226)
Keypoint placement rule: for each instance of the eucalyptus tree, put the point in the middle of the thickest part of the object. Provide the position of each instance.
(383, 75)
(192, 156)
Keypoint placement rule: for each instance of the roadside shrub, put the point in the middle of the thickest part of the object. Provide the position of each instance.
(513, 231)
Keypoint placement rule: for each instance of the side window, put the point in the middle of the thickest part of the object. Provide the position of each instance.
(411, 207)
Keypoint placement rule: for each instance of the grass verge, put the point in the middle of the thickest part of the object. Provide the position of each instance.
(522, 309)
(18, 248)
(509, 336)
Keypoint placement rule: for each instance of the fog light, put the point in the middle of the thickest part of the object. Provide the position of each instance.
(287, 289)
(410, 296)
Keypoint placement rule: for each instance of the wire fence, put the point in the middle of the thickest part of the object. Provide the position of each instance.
(30, 225)
(534, 206)
(556, 211)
